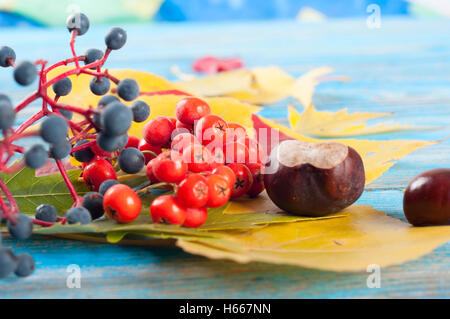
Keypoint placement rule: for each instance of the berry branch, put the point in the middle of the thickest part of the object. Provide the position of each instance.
(99, 133)
(174, 152)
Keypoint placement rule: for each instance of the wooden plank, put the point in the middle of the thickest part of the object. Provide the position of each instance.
(109, 271)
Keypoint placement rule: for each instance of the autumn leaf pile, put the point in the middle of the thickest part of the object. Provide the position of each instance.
(249, 230)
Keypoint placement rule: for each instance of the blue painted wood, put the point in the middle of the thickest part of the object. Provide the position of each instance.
(402, 67)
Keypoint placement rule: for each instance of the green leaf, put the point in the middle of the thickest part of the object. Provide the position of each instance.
(30, 191)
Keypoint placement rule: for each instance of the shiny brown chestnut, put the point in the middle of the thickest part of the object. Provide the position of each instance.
(427, 198)
(314, 179)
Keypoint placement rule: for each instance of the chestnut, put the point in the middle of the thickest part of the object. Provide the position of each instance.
(427, 198)
(313, 179)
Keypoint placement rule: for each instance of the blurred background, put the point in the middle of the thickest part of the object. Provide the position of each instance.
(53, 12)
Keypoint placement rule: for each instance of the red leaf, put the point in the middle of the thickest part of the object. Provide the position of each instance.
(267, 136)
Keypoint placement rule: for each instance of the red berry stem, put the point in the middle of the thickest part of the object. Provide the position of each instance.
(72, 47)
(42, 223)
(10, 62)
(83, 146)
(27, 101)
(9, 197)
(64, 63)
(78, 110)
(36, 117)
(16, 136)
(13, 169)
(73, 192)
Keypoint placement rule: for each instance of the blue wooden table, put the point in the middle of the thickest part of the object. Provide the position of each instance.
(403, 67)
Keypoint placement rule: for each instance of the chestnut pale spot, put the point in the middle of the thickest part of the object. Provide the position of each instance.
(321, 155)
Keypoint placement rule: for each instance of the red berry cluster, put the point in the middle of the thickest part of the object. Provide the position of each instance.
(203, 159)
(206, 160)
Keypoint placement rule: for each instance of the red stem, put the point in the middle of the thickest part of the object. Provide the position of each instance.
(72, 47)
(82, 147)
(27, 101)
(36, 117)
(11, 62)
(69, 184)
(13, 169)
(64, 63)
(9, 197)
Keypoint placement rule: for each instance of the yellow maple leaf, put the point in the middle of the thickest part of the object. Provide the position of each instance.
(218, 84)
(260, 85)
(378, 156)
(364, 237)
(348, 243)
(229, 108)
(341, 123)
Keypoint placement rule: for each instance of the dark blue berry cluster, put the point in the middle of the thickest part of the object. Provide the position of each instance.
(102, 130)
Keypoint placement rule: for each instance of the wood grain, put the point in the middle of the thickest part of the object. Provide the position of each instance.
(402, 68)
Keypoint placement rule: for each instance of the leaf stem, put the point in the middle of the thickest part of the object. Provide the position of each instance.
(146, 189)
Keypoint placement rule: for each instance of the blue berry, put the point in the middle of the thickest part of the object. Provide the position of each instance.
(99, 86)
(131, 160)
(128, 89)
(5, 98)
(93, 202)
(21, 228)
(106, 185)
(141, 111)
(97, 119)
(8, 262)
(105, 100)
(25, 265)
(77, 215)
(54, 129)
(62, 87)
(6, 54)
(60, 150)
(79, 22)
(123, 141)
(25, 73)
(67, 114)
(116, 119)
(109, 143)
(93, 55)
(36, 156)
(46, 213)
(7, 113)
(115, 38)
(84, 155)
